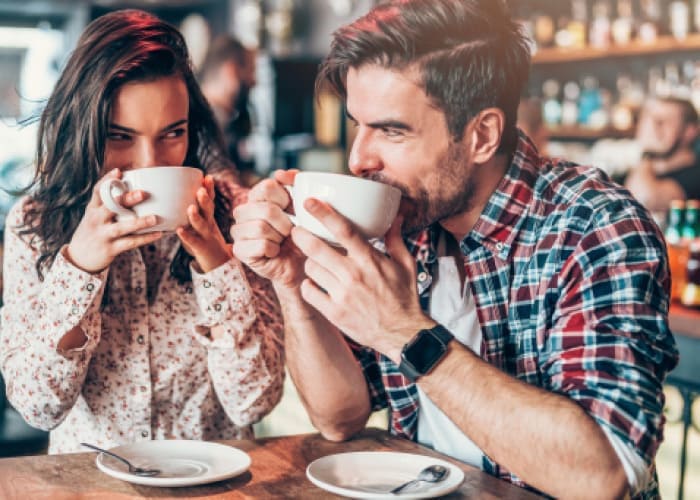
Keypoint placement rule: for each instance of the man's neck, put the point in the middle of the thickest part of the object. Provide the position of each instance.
(486, 177)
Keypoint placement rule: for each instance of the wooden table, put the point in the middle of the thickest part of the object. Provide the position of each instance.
(278, 470)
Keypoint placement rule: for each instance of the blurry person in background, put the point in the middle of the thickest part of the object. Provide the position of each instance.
(530, 121)
(227, 76)
(112, 334)
(667, 134)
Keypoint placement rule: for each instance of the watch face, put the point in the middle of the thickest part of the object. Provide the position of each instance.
(424, 352)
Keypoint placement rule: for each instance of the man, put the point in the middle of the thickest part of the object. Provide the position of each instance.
(670, 168)
(536, 340)
(227, 76)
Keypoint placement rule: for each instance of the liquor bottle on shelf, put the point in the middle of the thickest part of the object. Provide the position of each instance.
(677, 248)
(651, 20)
(569, 107)
(578, 24)
(679, 19)
(551, 107)
(623, 24)
(599, 34)
(691, 224)
(691, 291)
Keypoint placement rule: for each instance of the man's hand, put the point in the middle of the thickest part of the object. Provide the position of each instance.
(260, 233)
(369, 296)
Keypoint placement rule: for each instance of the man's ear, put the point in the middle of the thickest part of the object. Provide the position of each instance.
(485, 132)
(690, 133)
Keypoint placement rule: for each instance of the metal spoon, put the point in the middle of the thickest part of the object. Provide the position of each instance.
(431, 474)
(132, 468)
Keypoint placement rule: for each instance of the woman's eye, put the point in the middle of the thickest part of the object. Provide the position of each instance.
(116, 136)
(174, 134)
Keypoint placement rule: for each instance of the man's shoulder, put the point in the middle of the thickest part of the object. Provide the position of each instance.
(584, 194)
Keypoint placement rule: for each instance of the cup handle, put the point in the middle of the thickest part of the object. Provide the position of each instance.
(108, 198)
(292, 218)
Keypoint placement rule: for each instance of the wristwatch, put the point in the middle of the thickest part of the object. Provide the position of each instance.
(424, 351)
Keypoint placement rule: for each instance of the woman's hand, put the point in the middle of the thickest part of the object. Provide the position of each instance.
(99, 237)
(202, 238)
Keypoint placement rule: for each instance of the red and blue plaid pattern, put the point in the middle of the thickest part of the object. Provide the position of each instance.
(570, 279)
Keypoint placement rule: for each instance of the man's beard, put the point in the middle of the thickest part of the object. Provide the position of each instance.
(664, 155)
(453, 194)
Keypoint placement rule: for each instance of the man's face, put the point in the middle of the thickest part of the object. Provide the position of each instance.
(661, 127)
(402, 139)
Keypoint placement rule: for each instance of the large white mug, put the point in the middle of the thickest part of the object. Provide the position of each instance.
(371, 206)
(170, 191)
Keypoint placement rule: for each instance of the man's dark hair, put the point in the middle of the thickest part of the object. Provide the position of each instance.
(690, 114)
(224, 48)
(470, 54)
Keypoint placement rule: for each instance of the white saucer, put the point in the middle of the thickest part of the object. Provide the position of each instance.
(372, 474)
(181, 462)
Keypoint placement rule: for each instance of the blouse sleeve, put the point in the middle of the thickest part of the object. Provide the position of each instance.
(246, 363)
(43, 382)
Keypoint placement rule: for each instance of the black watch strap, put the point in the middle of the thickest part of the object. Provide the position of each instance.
(424, 351)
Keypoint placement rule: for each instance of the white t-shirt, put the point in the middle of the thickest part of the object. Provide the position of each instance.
(457, 312)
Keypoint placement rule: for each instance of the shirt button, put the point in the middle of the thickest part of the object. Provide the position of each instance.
(138, 289)
(75, 310)
(217, 307)
(140, 339)
(90, 287)
(206, 284)
(422, 276)
(500, 246)
(144, 434)
(143, 388)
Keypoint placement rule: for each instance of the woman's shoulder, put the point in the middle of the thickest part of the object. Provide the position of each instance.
(17, 214)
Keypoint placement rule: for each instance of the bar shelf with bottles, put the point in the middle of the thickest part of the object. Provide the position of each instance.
(595, 62)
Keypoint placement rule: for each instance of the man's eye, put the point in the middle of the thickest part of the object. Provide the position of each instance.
(392, 132)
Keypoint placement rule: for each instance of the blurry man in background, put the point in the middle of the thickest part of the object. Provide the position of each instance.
(227, 76)
(670, 168)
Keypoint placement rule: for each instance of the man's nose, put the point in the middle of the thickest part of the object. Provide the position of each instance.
(364, 160)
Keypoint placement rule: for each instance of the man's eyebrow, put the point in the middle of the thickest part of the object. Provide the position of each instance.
(132, 131)
(388, 123)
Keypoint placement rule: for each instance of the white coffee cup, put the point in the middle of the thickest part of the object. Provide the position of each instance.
(371, 206)
(170, 191)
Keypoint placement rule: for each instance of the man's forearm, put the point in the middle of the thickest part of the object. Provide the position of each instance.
(323, 368)
(544, 438)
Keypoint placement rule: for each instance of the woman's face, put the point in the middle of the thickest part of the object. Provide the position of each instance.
(148, 125)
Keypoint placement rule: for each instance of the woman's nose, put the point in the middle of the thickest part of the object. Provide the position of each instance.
(146, 155)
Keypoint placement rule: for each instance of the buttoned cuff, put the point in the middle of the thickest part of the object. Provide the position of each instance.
(70, 295)
(223, 296)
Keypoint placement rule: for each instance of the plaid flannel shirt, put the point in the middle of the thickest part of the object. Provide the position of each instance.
(570, 279)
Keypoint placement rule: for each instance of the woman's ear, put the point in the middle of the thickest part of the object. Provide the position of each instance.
(486, 131)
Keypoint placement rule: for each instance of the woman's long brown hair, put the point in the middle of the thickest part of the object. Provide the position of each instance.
(117, 48)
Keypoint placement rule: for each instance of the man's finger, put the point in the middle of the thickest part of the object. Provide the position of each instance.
(272, 214)
(256, 230)
(395, 246)
(341, 228)
(270, 191)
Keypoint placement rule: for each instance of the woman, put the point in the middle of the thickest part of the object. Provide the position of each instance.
(110, 335)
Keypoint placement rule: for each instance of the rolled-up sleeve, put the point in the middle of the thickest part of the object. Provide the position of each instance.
(610, 346)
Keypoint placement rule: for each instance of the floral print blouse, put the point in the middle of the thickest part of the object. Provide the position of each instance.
(149, 369)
